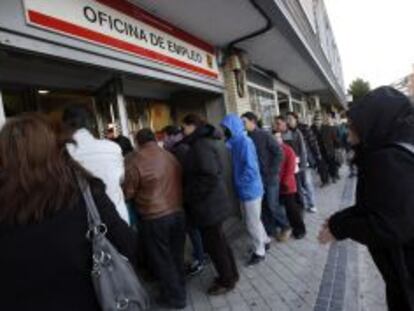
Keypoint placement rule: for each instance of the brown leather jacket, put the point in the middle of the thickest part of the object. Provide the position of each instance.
(153, 179)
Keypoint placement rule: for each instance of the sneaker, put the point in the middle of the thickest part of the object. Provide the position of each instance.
(312, 210)
(255, 259)
(216, 289)
(195, 268)
(284, 235)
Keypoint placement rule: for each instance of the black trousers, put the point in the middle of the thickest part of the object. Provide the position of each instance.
(333, 167)
(164, 240)
(216, 245)
(323, 172)
(294, 212)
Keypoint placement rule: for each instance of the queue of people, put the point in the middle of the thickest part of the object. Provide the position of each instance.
(184, 186)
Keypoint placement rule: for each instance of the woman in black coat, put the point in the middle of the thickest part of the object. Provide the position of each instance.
(382, 130)
(45, 258)
(206, 194)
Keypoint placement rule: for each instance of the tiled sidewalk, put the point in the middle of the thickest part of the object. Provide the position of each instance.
(372, 287)
(289, 278)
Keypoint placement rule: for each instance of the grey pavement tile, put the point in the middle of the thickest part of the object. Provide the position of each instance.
(251, 294)
(277, 305)
(218, 302)
(259, 305)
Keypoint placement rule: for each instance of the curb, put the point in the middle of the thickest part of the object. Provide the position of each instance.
(339, 272)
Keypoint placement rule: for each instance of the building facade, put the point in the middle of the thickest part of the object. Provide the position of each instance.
(147, 63)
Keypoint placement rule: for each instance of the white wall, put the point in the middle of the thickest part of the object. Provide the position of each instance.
(307, 6)
(327, 39)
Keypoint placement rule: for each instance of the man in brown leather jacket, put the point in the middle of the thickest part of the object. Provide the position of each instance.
(153, 179)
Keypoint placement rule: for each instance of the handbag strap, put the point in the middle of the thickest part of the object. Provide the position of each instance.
(95, 224)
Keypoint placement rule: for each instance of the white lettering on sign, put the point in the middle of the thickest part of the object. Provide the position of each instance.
(122, 26)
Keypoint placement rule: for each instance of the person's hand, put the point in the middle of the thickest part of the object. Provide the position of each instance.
(325, 235)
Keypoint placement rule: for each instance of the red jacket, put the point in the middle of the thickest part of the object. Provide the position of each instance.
(287, 171)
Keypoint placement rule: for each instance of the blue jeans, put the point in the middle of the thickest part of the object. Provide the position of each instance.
(306, 188)
(197, 243)
(273, 214)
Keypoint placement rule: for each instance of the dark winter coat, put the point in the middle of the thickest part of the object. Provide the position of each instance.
(180, 150)
(312, 145)
(383, 217)
(205, 191)
(270, 155)
(46, 266)
(327, 137)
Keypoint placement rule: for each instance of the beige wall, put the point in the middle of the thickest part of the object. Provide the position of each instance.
(235, 103)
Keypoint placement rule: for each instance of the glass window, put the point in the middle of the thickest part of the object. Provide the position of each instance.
(283, 100)
(263, 104)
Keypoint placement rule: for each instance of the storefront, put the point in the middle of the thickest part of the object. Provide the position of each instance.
(129, 67)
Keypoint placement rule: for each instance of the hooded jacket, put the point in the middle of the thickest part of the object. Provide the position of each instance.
(383, 217)
(246, 171)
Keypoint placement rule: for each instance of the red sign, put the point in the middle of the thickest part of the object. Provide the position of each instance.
(122, 26)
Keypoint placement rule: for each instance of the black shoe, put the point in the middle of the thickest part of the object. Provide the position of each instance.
(255, 259)
(267, 246)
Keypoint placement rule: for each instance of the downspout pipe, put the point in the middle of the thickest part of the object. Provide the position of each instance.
(266, 28)
(240, 76)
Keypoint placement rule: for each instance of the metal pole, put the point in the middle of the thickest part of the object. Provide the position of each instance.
(277, 105)
(317, 102)
(122, 112)
(112, 113)
(290, 103)
(304, 109)
(2, 113)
